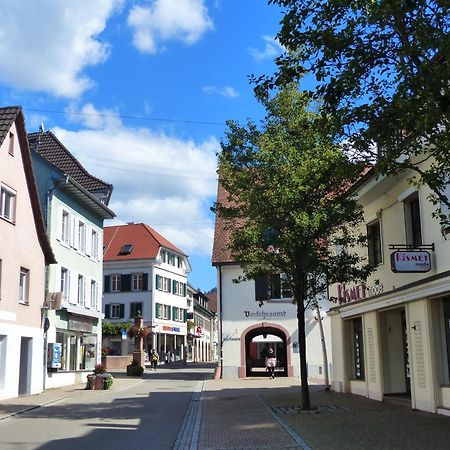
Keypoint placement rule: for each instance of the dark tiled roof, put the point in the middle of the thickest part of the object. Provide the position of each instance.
(50, 148)
(7, 117)
(212, 302)
(145, 240)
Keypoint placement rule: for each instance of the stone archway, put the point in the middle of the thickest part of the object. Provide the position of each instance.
(265, 328)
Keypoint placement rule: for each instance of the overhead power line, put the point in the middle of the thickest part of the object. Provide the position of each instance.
(119, 116)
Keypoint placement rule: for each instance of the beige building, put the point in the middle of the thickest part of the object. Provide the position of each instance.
(391, 336)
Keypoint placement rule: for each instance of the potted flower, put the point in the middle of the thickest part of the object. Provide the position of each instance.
(138, 331)
(99, 379)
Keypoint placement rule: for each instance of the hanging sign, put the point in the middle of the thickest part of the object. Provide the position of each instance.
(410, 261)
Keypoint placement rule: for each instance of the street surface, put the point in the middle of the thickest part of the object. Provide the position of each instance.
(145, 414)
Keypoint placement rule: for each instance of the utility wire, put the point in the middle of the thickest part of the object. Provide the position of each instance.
(119, 116)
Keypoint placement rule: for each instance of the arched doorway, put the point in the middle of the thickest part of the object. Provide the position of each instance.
(255, 341)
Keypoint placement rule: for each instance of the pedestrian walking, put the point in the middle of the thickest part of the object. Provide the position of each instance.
(154, 359)
(271, 362)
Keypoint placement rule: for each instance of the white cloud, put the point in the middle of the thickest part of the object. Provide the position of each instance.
(271, 50)
(45, 45)
(163, 20)
(225, 91)
(160, 180)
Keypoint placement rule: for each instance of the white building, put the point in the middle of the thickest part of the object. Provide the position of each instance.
(74, 205)
(144, 272)
(248, 327)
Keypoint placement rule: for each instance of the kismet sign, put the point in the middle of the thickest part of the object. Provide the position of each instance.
(410, 261)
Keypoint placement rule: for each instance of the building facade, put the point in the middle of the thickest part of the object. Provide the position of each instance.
(391, 336)
(248, 327)
(145, 273)
(24, 254)
(74, 204)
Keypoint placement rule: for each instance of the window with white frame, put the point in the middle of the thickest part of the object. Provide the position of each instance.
(115, 311)
(94, 244)
(65, 227)
(81, 289)
(94, 294)
(412, 220)
(7, 203)
(24, 284)
(82, 237)
(116, 282)
(65, 283)
(137, 281)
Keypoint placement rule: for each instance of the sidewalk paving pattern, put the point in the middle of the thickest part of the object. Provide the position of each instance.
(262, 414)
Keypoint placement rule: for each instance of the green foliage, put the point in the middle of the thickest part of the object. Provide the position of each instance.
(114, 329)
(383, 71)
(288, 186)
(107, 383)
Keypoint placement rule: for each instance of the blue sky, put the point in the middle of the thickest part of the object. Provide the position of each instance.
(139, 92)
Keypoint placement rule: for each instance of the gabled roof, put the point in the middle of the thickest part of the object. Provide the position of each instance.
(222, 232)
(8, 116)
(212, 302)
(145, 241)
(49, 147)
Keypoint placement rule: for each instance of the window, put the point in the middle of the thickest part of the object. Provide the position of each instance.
(81, 289)
(137, 280)
(82, 237)
(162, 311)
(65, 283)
(11, 144)
(94, 294)
(412, 221)
(272, 287)
(115, 283)
(357, 353)
(94, 244)
(7, 203)
(115, 311)
(163, 283)
(374, 243)
(126, 249)
(24, 283)
(65, 230)
(135, 309)
(446, 304)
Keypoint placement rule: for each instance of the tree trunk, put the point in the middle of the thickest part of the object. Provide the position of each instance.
(300, 288)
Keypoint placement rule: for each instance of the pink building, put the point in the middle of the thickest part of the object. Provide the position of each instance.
(24, 254)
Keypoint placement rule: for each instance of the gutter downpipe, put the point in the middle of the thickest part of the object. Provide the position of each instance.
(220, 322)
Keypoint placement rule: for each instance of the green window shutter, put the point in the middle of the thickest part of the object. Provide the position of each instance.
(145, 282)
(173, 312)
(158, 282)
(170, 285)
(185, 316)
(107, 311)
(174, 286)
(122, 311)
(126, 283)
(106, 283)
(157, 306)
(184, 290)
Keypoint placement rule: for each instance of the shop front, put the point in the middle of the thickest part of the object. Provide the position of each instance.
(170, 342)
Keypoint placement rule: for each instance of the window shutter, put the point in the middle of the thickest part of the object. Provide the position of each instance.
(169, 285)
(158, 282)
(100, 246)
(107, 311)
(145, 282)
(59, 224)
(261, 288)
(185, 315)
(74, 233)
(88, 246)
(106, 283)
(184, 290)
(174, 286)
(126, 283)
(73, 298)
(157, 308)
(87, 292)
(173, 312)
(122, 311)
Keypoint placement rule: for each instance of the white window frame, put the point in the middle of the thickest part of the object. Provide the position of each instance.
(24, 284)
(82, 237)
(94, 294)
(7, 203)
(116, 282)
(94, 245)
(65, 283)
(137, 281)
(81, 290)
(114, 311)
(65, 227)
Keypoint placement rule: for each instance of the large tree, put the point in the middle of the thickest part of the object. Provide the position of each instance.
(289, 207)
(383, 72)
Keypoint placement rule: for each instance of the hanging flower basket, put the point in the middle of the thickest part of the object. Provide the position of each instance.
(135, 331)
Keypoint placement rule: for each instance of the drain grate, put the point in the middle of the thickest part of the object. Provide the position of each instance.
(290, 410)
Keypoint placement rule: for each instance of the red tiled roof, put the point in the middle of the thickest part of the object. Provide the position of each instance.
(50, 148)
(222, 232)
(145, 240)
(8, 116)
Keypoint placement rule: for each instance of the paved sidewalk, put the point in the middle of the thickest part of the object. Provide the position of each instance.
(259, 413)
